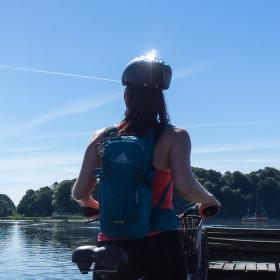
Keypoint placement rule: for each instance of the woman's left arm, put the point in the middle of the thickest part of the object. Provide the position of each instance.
(86, 181)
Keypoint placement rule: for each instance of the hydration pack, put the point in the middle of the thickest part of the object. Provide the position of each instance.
(125, 178)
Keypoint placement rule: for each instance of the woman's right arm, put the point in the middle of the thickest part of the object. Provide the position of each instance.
(180, 164)
(86, 181)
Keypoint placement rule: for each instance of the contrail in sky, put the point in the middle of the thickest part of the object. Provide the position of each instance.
(56, 73)
(79, 106)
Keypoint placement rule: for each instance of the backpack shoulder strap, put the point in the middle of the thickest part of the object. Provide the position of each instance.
(157, 210)
(109, 131)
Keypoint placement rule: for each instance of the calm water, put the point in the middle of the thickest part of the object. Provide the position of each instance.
(30, 250)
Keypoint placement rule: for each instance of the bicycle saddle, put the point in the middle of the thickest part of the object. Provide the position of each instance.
(107, 257)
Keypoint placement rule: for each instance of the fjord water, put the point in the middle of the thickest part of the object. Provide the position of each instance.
(30, 250)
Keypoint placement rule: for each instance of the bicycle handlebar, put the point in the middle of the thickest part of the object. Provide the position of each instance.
(89, 211)
(192, 209)
(210, 211)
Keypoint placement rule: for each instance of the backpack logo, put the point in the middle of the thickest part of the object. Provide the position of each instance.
(122, 158)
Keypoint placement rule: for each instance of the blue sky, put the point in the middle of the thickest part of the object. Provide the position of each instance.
(225, 91)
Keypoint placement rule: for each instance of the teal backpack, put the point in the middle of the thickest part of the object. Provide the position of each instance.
(125, 178)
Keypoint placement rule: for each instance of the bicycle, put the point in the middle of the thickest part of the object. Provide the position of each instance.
(194, 240)
(104, 261)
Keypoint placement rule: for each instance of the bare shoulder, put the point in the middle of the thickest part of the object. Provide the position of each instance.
(97, 137)
(175, 134)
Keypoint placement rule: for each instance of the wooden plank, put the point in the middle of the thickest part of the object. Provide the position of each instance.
(271, 267)
(240, 266)
(228, 266)
(250, 238)
(244, 236)
(260, 234)
(204, 256)
(251, 267)
(218, 266)
(272, 233)
(210, 266)
(241, 245)
(247, 241)
(262, 267)
(213, 264)
(224, 253)
(277, 269)
(242, 230)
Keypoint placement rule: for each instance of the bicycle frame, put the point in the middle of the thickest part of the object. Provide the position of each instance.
(104, 261)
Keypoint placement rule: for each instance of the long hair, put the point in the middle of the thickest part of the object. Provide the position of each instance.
(146, 110)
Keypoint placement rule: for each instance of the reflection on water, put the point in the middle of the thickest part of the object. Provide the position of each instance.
(31, 250)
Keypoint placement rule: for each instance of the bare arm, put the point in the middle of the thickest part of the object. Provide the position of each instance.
(186, 185)
(86, 181)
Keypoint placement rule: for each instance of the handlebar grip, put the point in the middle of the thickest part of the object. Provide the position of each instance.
(89, 211)
(210, 211)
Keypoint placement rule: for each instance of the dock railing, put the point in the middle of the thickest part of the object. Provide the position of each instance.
(235, 252)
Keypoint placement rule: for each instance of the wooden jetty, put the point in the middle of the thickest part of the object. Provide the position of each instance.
(242, 253)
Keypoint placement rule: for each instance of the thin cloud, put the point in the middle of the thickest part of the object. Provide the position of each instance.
(26, 149)
(73, 170)
(237, 147)
(188, 71)
(19, 68)
(56, 136)
(242, 160)
(261, 160)
(246, 123)
(71, 109)
(241, 164)
(23, 172)
(77, 107)
(40, 162)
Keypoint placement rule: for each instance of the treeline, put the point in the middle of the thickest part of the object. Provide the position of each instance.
(7, 207)
(47, 201)
(235, 190)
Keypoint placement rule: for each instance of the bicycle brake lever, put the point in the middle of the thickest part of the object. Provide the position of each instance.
(210, 211)
(89, 211)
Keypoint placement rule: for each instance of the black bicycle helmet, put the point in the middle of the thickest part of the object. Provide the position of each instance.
(147, 72)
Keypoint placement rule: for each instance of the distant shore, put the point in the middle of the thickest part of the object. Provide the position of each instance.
(45, 219)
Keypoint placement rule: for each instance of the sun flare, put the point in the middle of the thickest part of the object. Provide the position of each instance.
(151, 55)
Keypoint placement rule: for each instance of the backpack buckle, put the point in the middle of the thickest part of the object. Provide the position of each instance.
(97, 172)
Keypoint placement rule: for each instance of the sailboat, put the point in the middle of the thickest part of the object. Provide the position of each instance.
(260, 215)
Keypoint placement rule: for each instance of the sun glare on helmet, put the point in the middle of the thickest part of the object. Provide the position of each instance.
(151, 55)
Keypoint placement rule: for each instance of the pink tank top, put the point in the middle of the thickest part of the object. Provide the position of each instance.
(159, 183)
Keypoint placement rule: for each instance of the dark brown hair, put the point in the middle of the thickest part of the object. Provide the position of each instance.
(146, 110)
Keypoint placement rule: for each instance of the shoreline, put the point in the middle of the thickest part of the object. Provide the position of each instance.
(43, 219)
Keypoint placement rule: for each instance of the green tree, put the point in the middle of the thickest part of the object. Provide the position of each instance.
(43, 202)
(268, 186)
(62, 200)
(7, 207)
(240, 180)
(36, 203)
(27, 205)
